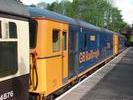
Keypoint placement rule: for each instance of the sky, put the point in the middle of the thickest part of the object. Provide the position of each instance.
(126, 7)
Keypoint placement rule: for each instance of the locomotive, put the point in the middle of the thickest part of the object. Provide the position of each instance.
(63, 49)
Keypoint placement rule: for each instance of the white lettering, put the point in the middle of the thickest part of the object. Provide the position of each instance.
(6, 95)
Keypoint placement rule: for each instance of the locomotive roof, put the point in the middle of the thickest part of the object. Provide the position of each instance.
(13, 7)
(106, 30)
(88, 25)
(93, 27)
(37, 12)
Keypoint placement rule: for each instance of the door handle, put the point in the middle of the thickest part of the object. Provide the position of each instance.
(63, 56)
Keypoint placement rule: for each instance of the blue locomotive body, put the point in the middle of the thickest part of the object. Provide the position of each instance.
(88, 45)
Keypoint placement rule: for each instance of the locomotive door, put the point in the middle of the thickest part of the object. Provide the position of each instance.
(64, 56)
(73, 53)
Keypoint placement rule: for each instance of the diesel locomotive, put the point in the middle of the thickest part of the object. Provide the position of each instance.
(42, 53)
(63, 50)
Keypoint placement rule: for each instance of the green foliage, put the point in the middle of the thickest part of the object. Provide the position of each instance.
(98, 12)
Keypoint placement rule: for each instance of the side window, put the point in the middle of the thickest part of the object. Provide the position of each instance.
(8, 49)
(0, 30)
(12, 30)
(92, 37)
(56, 40)
(85, 40)
(8, 58)
(108, 45)
(64, 40)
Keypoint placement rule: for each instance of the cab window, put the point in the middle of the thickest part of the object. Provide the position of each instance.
(33, 33)
(64, 40)
(56, 40)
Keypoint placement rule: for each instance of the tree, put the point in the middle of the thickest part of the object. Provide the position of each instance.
(55, 6)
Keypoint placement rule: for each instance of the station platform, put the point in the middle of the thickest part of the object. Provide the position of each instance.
(114, 81)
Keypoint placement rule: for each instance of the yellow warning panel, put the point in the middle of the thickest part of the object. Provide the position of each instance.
(115, 44)
(52, 56)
